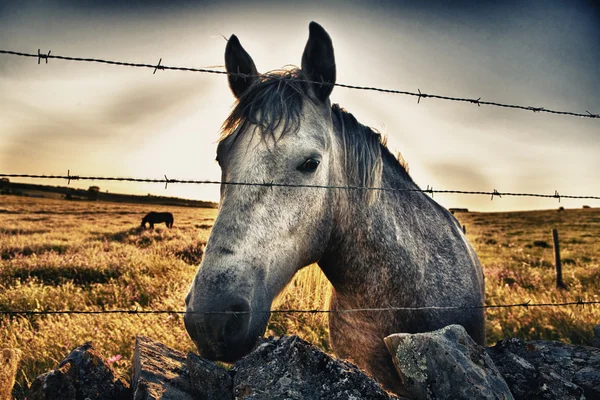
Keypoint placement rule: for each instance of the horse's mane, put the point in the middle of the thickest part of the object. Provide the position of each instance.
(275, 101)
(365, 150)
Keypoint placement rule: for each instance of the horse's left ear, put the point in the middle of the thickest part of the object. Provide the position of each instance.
(238, 61)
(318, 61)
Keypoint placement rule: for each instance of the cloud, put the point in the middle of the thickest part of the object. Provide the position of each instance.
(138, 103)
(459, 176)
(45, 133)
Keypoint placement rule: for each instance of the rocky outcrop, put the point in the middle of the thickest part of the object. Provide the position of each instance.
(209, 381)
(83, 374)
(285, 368)
(279, 368)
(290, 368)
(446, 364)
(159, 372)
(548, 370)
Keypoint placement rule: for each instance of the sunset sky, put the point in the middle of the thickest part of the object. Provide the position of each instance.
(117, 121)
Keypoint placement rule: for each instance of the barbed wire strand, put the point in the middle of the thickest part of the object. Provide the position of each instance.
(428, 190)
(46, 56)
(526, 305)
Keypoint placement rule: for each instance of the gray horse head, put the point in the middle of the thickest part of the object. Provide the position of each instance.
(281, 131)
(391, 247)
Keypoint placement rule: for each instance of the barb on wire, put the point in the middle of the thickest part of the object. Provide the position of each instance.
(536, 109)
(69, 177)
(418, 94)
(527, 305)
(495, 193)
(158, 66)
(44, 56)
(421, 95)
(477, 102)
(592, 115)
(429, 190)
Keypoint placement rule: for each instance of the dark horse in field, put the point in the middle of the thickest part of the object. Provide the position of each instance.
(156, 218)
(393, 247)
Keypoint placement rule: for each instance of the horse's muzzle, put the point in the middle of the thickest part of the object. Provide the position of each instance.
(224, 331)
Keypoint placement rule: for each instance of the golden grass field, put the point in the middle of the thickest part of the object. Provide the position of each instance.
(68, 255)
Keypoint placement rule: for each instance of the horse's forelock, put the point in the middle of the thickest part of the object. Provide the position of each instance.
(274, 103)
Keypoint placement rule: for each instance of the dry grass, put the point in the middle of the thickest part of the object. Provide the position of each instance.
(56, 254)
(64, 255)
(516, 251)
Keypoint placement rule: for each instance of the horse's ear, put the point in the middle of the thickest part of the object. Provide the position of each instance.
(238, 61)
(318, 61)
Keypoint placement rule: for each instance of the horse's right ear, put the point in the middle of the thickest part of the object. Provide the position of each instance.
(318, 61)
(238, 61)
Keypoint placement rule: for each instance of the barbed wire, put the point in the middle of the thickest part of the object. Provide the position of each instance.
(46, 56)
(428, 190)
(136, 311)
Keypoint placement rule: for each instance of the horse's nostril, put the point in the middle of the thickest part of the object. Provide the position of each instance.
(224, 328)
(237, 319)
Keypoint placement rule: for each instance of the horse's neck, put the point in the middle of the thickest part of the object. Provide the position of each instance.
(365, 239)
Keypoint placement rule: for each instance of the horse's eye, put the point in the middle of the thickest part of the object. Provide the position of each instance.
(309, 165)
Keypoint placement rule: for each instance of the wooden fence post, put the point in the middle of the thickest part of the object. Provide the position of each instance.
(557, 262)
(465, 229)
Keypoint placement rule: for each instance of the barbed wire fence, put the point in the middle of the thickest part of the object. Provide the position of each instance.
(136, 311)
(429, 190)
(419, 95)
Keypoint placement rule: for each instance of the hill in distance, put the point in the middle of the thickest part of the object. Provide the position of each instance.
(93, 193)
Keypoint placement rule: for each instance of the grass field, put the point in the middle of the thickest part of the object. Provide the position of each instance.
(62, 255)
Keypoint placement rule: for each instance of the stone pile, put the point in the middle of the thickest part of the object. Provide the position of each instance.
(444, 364)
(279, 368)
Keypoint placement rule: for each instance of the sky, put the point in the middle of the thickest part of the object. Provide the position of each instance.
(106, 120)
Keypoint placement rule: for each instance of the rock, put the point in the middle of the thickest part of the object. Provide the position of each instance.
(9, 360)
(56, 384)
(446, 364)
(596, 341)
(290, 368)
(159, 372)
(548, 370)
(209, 381)
(84, 373)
